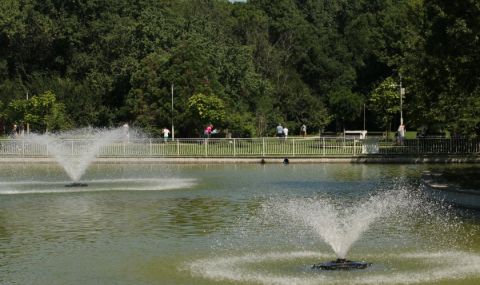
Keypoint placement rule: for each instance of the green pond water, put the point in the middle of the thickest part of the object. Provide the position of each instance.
(226, 224)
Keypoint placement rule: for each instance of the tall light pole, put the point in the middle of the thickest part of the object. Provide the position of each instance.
(173, 128)
(364, 116)
(401, 99)
(402, 92)
(28, 125)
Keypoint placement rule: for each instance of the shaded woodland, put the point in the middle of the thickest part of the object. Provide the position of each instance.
(244, 67)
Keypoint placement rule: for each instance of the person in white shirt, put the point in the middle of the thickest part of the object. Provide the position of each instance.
(401, 133)
(165, 132)
(126, 132)
(303, 130)
(285, 132)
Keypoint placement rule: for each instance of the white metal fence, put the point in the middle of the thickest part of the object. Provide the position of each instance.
(255, 147)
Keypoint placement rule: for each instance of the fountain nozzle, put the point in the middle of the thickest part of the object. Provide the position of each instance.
(341, 264)
(76, 184)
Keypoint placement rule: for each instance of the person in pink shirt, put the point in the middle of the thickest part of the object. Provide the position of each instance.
(208, 130)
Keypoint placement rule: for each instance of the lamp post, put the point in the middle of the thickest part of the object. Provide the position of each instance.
(28, 125)
(402, 92)
(364, 116)
(173, 128)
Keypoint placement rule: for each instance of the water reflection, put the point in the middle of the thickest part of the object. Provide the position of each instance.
(199, 216)
(66, 219)
(110, 237)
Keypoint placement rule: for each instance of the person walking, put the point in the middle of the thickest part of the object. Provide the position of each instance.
(401, 133)
(279, 131)
(303, 130)
(126, 132)
(166, 133)
(15, 131)
(207, 132)
(285, 133)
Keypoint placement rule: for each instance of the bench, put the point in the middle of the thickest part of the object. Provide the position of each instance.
(355, 134)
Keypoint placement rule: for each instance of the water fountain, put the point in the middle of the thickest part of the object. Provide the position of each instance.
(407, 238)
(339, 226)
(75, 150)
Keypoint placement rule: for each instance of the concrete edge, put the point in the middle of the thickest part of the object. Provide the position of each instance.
(274, 160)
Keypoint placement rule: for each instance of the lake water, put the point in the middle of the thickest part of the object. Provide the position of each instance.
(223, 224)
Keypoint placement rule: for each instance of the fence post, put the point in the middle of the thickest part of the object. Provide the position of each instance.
(263, 146)
(72, 148)
(150, 147)
(293, 147)
(234, 147)
(354, 147)
(323, 145)
(205, 142)
(178, 147)
(23, 147)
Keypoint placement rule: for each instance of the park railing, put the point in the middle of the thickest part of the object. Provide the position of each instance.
(254, 147)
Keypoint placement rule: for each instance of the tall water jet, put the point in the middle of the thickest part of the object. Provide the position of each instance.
(340, 226)
(76, 150)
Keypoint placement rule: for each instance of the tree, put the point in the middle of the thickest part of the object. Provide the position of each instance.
(42, 111)
(444, 68)
(207, 109)
(148, 100)
(240, 124)
(289, 61)
(3, 118)
(346, 105)
(384, 101)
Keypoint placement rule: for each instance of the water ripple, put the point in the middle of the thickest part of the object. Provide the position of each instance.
(260, 268)
(137, 184)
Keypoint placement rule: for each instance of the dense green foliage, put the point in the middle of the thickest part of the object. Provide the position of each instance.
(245, 67)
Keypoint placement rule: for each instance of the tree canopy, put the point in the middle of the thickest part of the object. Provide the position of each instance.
(245, 65)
